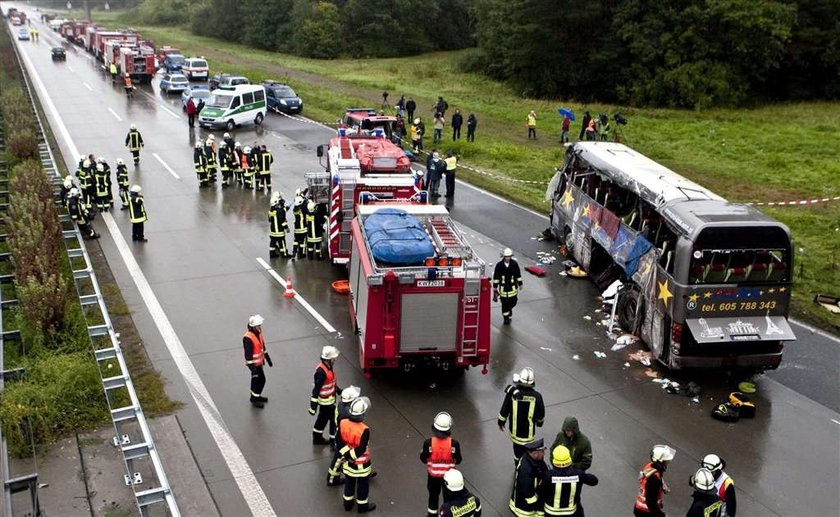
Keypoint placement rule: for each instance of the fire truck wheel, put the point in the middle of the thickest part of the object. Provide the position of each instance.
(259, 119)
(230, 125)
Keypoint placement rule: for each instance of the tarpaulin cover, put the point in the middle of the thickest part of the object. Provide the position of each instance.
(397, 238)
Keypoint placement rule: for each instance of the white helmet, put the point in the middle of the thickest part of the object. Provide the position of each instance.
(74, 192)
(350, 393)
(211, 137)
(198, 145)
(419, 173)
(227, 135)
(507, 252)
(359, 406)
(255, 321)
(100, 159)
(443, 422)
(298, 201)
(310, 207)
(329, 352)
(86, 164)
(416, 121)
(525, 377)
(712, 462)
(100, 167)
(68, 180)
(237, 144)
(120, 161)
(454, 480)
(662, 453)
(82, 158)
(247, 150)
(132, 127)
(136, 189)
(275, 198)
(704, 480)
(223, 144)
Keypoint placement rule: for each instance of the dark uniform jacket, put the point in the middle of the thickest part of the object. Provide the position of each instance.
(579, 447)
(507, 278)
(277, 220)
(460, 504)
(529, 414)
(705, 504)
(561, 490)
(526, 482)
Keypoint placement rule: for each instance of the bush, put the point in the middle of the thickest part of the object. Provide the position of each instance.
(22, 145)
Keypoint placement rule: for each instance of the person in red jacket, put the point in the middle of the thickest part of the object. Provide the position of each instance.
(652, 488)
(253, 343)
(440, 453)
(191, 112)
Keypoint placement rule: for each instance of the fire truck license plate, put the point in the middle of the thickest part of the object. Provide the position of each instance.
(431, 283)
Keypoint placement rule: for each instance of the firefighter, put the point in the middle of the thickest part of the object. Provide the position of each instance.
(507, 282)
(225, 163)
(652, 488)
(525, 500)
(706, 502)
(324, 387)
(85, 183)
(200, 163)
(724, 485)
(355, 436)
(253, 343)
(277, 227)
(348, 395)
(523, 411)
(134, 141)
(457, 500)
(264, 178)
(108, 179)
(563, 484)
(229, 141)
(113, 70)
(440, 453)
(90, 190)
(129, 87)
(66, 186)
(122, 183)
(103, 188)
(237, 162)
(212, 162)
(81, 165)
(137, 214)
(247, 169)
(256, 165)
(79, 213)
(299, 246)
(315, 230)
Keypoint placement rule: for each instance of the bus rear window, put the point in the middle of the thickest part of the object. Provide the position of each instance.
(739, 266)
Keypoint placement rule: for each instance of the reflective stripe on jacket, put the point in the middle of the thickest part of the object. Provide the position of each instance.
(440, 460)
(258, 344)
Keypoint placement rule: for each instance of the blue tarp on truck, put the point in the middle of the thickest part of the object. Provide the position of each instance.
(397, 238)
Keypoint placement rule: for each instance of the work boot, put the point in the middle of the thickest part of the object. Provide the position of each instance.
(318, 439)
(262, 399)
(507, 320)
(348, 506)
(367, 507)
(256, 402)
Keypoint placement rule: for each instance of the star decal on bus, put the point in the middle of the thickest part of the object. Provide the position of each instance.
(693, 297)
(664, 293)
(707, 294)
(585, 210)
(568, 198)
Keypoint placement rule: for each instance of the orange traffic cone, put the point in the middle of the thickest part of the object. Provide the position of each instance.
(290, 291)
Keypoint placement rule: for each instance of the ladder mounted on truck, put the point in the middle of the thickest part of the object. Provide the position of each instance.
(471, 309)
(446, 238)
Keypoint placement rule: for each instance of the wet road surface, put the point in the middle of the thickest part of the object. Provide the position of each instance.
(201, 265)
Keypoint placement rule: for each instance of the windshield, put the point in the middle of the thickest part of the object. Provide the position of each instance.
(284, 92)
(219, 101)
(198, 63)
(175, 59)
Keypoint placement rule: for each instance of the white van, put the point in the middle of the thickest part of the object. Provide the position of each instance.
(196, 68)
(231, 106)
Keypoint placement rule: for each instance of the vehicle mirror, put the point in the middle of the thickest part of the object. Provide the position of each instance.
(320, 151)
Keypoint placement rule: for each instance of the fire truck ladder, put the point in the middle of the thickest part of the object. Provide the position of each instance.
(472, 291)
(446, 238)
(348, 211)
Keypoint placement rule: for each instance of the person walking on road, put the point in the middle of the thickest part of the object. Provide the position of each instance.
(122, 183)
(348, 395)
(587, 118)
(522, 410)
(324, 387)
(531, 122)
(200, 163)
(134, 142)
(440, 453)
(451, 166)
(562, 485)
(277, 227)
(578, 444)
(472, 122)
(129, 86)
(191, 112)
(79, 213)
(507, 282)
(457, 122)
(253, 343)
(525, 500)
(264, 178)
(724, 485)
(457, 500)
(355, 435)
(705, 500)
(650, 501)
(137, 214)
(299, 211)
(410, 108)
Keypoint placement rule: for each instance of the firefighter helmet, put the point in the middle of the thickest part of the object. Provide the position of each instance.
(100, 167)
(209, 142)
(454, 480)
(237, 144)
(86, 164)
(120, 161)
(416, 121)
(227, 135)
(704, 480)
(198, 145)
(419, 173)
(136, 189)
(350, 393)
(443, 422)
(132, 127)
(359, 407)
(275, 198)
(560, 456)
(255, 321)
(298, 201)
(247, 150)
(82, 158)
(310, 207)
(507, 252)
(525, 377)
(329, 352)
(74, 192)
(660, 453)
(68, 181)
(211, 136)
(713, 463)
(222, 144)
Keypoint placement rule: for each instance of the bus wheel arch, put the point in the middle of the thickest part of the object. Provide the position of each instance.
(630, 309)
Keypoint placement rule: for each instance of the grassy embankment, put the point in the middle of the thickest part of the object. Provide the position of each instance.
(773, 153)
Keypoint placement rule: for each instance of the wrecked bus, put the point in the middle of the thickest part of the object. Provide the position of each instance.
(706, 282)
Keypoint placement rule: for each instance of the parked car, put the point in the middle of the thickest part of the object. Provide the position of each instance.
(23, 34)
(174, 83)
(281, 97)
(197, 92)
(173, 63)
(58, 54)
(227, 80)
(196, 68)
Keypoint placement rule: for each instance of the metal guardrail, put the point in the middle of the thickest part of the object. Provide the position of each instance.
(132, 434)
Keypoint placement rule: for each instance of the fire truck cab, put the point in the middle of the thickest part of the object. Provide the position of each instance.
(428, 302)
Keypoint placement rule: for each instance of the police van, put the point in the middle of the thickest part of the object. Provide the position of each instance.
(231, 106)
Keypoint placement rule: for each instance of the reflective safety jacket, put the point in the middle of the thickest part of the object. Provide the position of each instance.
(525, 499)
(323, 385)
(77, 210)
(355, 436)
(523, 410)
(200, 161)
(315, 225)
(460, 504)
(136, 208)
(103, 183)
(300, 219)
(266, 159)
(705, 504)
(122, 176)
(451, 163)
(725, 487)
(507, 278)
(440, 454)
(254, 345)
(134, 140)
(224, 159)
(277, 221)
(561, 489)
(650, 491)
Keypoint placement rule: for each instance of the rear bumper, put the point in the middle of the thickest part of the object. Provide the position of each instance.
(766, 361)
(216, 124)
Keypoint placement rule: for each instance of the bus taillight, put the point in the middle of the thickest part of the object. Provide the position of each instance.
(676, 332)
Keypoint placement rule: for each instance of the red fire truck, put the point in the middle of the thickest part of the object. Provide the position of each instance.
(358, 163)
(101, 38)
(426, 304)
(137, 61)
(162, 52)
(74, 30)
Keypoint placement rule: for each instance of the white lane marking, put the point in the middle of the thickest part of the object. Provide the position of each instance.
(165, 166)
(835, 421)
(87, 86)
(245, 479)
(170, 112)
(114, 113)
(311, 310)
(813, 330)
(71, 69)
(89, 57)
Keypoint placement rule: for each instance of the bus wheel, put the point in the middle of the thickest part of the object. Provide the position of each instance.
(567, 241)
(629, 309)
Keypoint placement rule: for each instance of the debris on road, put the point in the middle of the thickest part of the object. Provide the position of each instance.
(576, 357)
(599, 354)
(623, 341)
(546, 349)
(535, 270)
(588, 317)
(829, 303)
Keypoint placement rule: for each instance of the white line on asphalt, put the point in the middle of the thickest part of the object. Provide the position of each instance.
(244, 477)
(816, 330)
(87, 86)
(71, 69)
(114, 113)
(165, 166)
(835, 421)
(170, 112)
(298, 297)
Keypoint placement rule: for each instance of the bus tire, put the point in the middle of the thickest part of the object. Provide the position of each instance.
(628, 308)
(660, 350)
(259, 119)
(567, 241)
(230, 125)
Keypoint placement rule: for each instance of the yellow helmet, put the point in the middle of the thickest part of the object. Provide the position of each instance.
(560, 456)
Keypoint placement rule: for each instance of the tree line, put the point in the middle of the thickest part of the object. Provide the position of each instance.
(680, 53)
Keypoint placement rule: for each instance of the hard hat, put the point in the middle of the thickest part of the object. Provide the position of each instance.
(237, 144)
(704, 480)
(359, 407)
(417, 121)
(443, 422)
(136, 189)
(86, 164)
(329, 352)
(223, 144)
(74, 191)
(198, 145)
(275, 198)
(420, 173)
(227, 135)
(247, 150)
(350, 393)
(507, 252)
(100, 167)
(525, 377)
(662, 453)
(120, 161)
(298, 201)
(211, 137)
(310, 206)
(712, 462)
(68, 179)
(454, 480)
(560, 456)
(82, 157)
(132, 126)
(255, 321)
